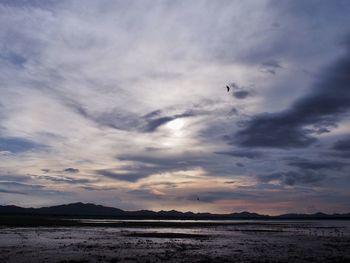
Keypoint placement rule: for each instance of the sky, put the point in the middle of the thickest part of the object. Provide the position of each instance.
(124, 104)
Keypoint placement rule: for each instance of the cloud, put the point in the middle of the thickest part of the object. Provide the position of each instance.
(64, 179)
(270, 66)
(32, 3)
(323, 106)
(240, 164)
(71, 170)
(153, 124)
(96, 89)
(292, 178)
(5, 191)
(342, 148)
(13, 58)
(342, 145)
(243, 154)
(123, 176)
(5, 176)
(318, 165)
(144, 166)
(17, 145)
(241, 94)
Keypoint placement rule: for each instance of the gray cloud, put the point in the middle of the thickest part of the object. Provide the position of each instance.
(5, 176)
(318, 165)
(96, 83)
(342, 145)
(240, 164)
(13, 58)
(243, 154)
(270, 66)
(153, 124)
(293, 178)
(24, 185)
(48, 4)
(322, 106)
(64, 179)
(6, 191)
(342, 148)
(17, 145)
(241, 94)
(71, 170)
(131, 176)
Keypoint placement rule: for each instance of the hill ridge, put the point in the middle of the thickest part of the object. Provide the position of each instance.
(90, 209)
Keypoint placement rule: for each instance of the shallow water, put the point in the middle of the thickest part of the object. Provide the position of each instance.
(233, 241)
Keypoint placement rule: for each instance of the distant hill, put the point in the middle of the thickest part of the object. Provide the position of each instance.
(92, 210)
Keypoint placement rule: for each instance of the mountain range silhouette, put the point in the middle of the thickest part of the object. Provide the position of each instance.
(88, 209)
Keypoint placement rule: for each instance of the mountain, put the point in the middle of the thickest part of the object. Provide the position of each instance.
(80, 209)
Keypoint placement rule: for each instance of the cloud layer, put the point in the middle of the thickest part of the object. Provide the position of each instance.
(124, 103)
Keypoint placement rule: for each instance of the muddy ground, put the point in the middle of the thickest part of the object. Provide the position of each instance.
(234, 242)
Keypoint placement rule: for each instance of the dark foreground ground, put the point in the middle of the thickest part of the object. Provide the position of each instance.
(240, 241)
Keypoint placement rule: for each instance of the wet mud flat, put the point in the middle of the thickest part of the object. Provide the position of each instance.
(210, 242)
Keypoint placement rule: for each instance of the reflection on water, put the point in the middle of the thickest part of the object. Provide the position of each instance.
(179, 241)
(329, 228)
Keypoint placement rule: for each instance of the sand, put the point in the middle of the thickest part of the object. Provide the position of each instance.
(284, 241)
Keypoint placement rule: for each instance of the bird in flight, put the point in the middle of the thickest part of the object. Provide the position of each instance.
(228, 88)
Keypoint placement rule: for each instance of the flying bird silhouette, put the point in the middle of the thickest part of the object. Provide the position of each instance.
(228, 88)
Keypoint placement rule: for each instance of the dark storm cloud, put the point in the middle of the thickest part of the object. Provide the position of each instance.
(291, 178)
(318, 165)
(71, 170)
(322, 106)
(243, 154)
